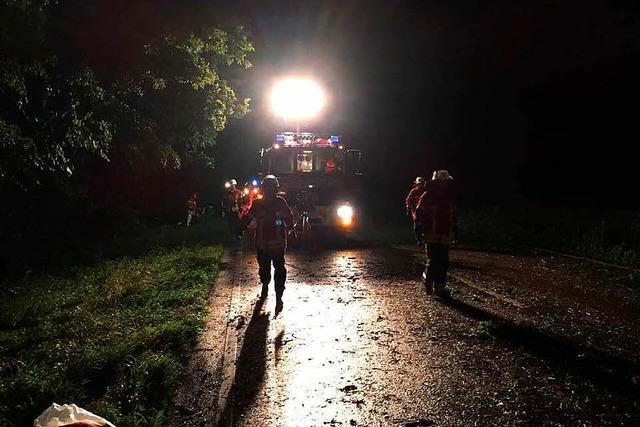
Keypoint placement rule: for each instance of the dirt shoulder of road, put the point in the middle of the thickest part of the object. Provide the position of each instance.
(208, 376)
(594, 304)
(588, 309)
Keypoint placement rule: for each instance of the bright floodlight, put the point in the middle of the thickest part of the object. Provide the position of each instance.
(296, 98)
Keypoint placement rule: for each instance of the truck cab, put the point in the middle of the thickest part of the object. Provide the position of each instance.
(319, 176)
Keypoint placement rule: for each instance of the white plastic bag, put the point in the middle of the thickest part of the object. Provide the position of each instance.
(61, 415)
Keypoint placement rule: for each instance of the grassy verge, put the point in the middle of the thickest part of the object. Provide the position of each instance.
(111, 337)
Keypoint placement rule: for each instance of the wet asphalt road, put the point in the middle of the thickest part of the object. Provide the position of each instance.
(360, 343)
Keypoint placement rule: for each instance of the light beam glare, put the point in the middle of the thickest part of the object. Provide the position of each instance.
(297, 98)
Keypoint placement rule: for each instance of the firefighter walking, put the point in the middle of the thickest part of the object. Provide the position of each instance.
(435, 211)
(273, 216)
(411, 203)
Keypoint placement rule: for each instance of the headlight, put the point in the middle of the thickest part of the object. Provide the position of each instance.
(345, 213)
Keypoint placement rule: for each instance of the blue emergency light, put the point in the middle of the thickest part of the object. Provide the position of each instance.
(279, 137)
(335, 139)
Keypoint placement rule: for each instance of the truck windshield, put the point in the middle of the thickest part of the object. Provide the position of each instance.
(328, 160)
(322, 161)
(304, 161)
(281, 162)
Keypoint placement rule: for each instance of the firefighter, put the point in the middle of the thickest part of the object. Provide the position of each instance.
(273, 216)
(411, 203)
(330, 166)
(249, 194)
(436, 212)
(192, 205)
(231, 205)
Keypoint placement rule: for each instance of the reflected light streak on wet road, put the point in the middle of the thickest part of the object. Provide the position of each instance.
(312, 348)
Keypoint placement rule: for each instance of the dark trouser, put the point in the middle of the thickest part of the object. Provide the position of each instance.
(437, 263)
(265, 258)
(233, 221)
(417, 228)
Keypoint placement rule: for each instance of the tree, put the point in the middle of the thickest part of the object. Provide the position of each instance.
(51, 111)
(72, 136)
(54, 113)
(180, 100)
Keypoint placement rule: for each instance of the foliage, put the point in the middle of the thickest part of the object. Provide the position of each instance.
(164, 110)
(180, 100)
(51, 110)
(111, 338)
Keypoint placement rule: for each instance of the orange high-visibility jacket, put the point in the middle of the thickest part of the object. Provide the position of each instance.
(414, 196)
(436, 212)
(273, 216)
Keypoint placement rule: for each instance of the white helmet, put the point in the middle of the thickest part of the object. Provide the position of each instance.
(419, 180)
(270, 185)
(441, 175)
(230, 183)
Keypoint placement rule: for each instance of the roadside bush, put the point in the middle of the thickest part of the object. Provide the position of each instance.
(608, 236)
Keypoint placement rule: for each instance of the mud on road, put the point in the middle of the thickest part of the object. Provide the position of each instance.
(523, 342)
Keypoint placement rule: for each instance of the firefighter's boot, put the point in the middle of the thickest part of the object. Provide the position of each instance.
(279, 304)
(440, 290)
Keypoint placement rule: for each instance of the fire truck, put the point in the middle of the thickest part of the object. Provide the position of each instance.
(321, 178)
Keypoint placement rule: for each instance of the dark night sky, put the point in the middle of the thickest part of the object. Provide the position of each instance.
(516, 98)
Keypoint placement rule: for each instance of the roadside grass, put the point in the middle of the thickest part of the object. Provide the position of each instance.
(140, 240)
(111, 337)
(608, 236)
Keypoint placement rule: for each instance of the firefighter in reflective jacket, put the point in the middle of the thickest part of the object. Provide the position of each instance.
(273, 216)
(412, 203)
(436, 213)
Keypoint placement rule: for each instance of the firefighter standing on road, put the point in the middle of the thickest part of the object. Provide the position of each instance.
(231, 205)
(436, 212)
(192, 205)
(273, 216)
(412, 203)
